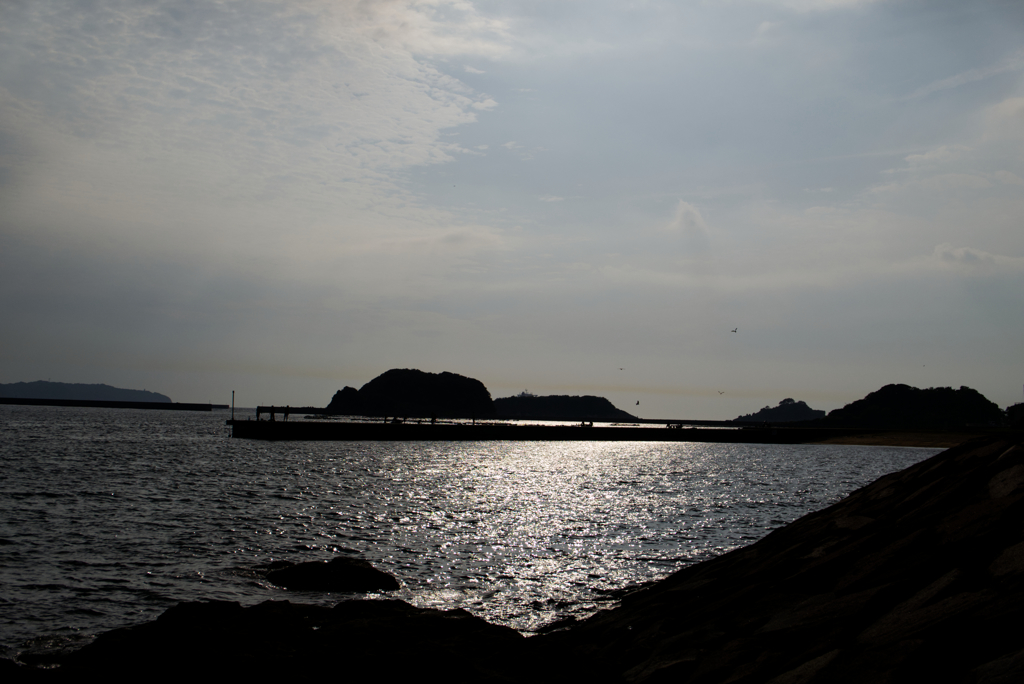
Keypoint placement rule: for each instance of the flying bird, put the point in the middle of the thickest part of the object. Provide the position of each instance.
(735, 329)
(721, 392)
(637, 403)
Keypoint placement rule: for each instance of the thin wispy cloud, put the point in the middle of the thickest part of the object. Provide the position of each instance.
(1014, 62)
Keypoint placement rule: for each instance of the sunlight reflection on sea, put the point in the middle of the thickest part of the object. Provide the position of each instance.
(108, 517)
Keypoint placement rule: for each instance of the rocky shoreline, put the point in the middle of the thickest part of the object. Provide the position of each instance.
(916, 576)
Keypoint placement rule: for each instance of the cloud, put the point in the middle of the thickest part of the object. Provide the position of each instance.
(939, 155)
(1005, 120)
(969, 259)
(470, 70)
(818, 5)
(947, 168)
(690, 225)
(551, 198)
(434, 28)
(1014, 62)
(121, 106)
(1008, 178)
(962, 256)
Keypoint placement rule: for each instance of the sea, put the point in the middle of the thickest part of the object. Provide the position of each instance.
(110, 516)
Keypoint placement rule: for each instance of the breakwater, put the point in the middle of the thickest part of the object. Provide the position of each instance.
(87, 403)
(468, 432)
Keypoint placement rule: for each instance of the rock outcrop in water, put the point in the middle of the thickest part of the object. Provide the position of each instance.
(916, 577)
(788, 410)
(339, 574)
(414, 393)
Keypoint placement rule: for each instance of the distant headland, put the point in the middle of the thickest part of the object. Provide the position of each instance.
(43, 389)
(45, 393)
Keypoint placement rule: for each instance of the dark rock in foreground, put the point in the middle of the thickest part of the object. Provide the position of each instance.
(1015, 416)
(339, 574)
(378, 640)
(916, 577)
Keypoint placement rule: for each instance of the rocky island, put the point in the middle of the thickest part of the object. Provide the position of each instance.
(788, 410)
(526, 406)
(412, 393)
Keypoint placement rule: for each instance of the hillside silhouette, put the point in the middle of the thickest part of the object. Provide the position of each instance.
(897, 407)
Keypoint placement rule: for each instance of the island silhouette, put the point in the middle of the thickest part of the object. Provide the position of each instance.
(413, 393)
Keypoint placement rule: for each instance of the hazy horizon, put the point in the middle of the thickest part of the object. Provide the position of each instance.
(285, 198)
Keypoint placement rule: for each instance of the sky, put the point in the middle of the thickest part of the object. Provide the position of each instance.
(282, 198)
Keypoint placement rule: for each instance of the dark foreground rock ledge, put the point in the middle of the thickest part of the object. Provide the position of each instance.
(916, 577)
(382, 640)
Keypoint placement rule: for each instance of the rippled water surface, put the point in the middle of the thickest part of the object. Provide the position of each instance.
(107, 517)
